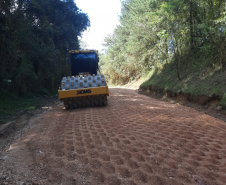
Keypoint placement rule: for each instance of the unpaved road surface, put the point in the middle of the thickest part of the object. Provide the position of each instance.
(134, 140)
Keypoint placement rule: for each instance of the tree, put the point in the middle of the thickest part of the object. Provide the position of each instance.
(156, 32)
(35, 39)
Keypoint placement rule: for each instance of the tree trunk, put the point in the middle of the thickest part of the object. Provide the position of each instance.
(191, 24)
(177, 64)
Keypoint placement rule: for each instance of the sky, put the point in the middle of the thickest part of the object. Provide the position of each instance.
(104, 17)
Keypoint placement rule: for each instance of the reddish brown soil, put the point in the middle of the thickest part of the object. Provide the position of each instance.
(134, 140)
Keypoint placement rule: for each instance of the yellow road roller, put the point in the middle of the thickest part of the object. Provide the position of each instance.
(85, 87)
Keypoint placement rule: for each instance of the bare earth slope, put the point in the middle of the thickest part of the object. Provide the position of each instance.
(134, 140)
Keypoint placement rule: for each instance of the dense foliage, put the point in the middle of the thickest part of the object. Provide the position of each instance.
(155, 32)
(35, 36)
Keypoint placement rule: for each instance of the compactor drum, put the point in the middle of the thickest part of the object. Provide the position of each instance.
(85, 88)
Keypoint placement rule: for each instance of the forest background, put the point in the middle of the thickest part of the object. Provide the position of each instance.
(35, 37)
(180, 45)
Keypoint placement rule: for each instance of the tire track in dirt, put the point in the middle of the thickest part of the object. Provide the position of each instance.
(134, 140)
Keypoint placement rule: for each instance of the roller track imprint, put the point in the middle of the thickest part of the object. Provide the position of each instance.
(133, 140)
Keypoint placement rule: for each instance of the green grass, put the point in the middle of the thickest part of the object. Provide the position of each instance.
(195, 80)
(11, 104)
(223, 101)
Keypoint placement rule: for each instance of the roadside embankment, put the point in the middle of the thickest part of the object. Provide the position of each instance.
(203, 87)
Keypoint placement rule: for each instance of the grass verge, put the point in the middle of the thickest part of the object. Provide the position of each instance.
(12, 105)
(195, 80)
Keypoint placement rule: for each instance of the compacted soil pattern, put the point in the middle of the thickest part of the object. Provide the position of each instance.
(134, 140)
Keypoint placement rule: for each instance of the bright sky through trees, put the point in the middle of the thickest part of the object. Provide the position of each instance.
(103, 16)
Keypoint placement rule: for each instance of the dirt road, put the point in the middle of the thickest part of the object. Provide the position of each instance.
(134, 140)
